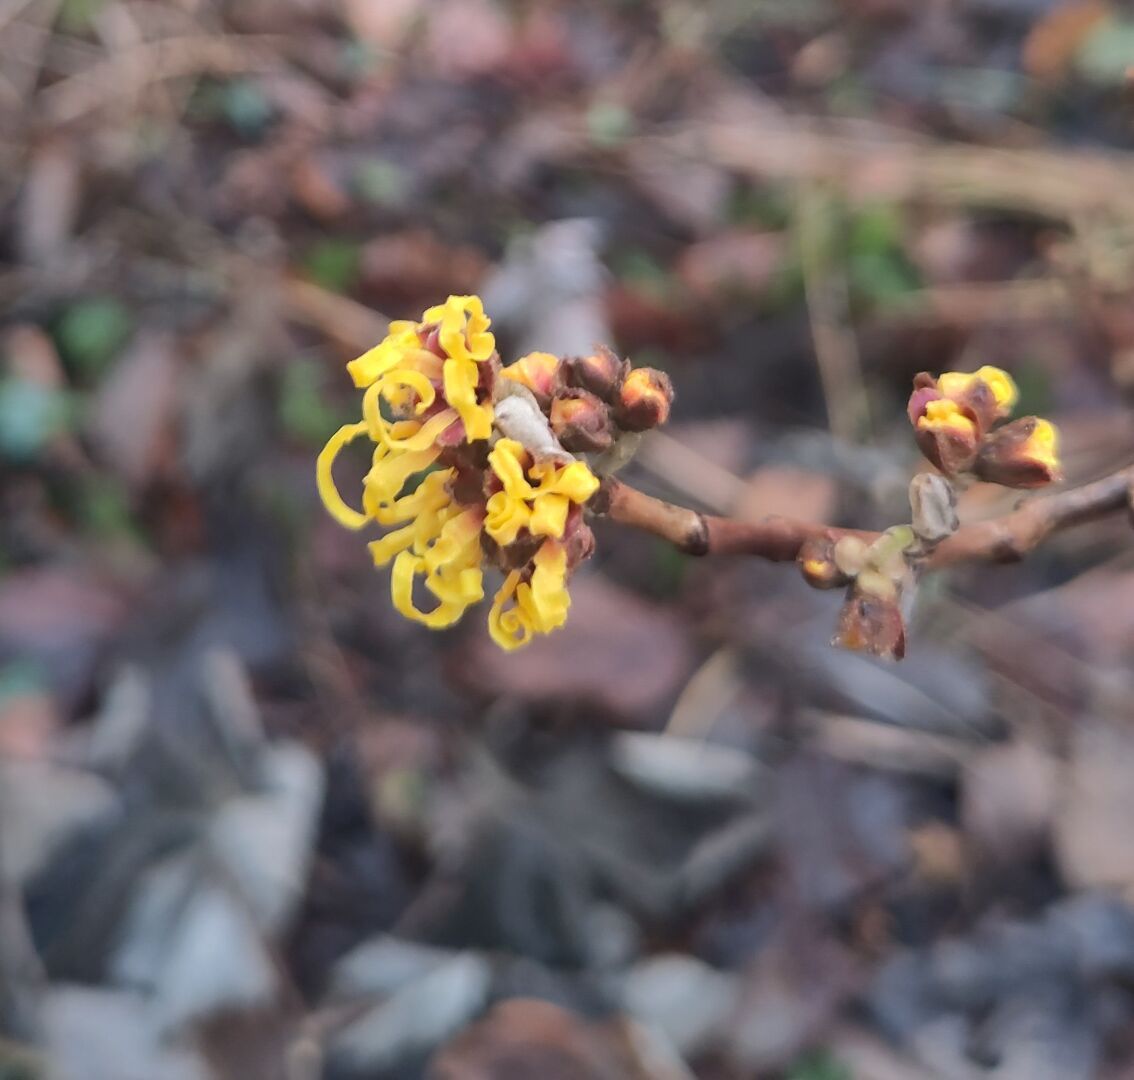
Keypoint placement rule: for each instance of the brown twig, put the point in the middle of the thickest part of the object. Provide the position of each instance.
(778, 539)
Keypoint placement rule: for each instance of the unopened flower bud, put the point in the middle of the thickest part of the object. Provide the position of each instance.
(581, 422)
(542, 373)
(947, 436)
(952, 413)
(644, 399)
(817, 563)
(986, 390)
(871, 624)
(601, 372)
(1023, 454)
(850, 555)
(933, 507)
(578, 539)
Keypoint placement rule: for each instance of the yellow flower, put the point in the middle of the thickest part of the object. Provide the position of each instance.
(946, 415)
(463, 328)
(426, 398)
(957, 385)
(537, 606)
(1022, 454)
(462, 331)
(541, 509)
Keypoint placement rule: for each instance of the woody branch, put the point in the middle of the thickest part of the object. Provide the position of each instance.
(779, 539)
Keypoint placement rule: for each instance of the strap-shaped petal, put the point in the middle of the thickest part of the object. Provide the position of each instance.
(406, 568)
(338, 509)
(507, 626)
(460, 378)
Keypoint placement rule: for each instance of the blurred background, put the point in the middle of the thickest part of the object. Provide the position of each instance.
(253, 824)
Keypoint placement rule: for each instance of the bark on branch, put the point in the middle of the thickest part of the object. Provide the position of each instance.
(779, 539)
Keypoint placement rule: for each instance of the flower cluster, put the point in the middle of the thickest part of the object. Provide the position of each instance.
(954, 418)
(959, 421)
(474, 466)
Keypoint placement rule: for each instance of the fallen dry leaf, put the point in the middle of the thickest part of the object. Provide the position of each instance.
(1052, 43)
(133, 412)
(617, 650)
(1008, 799)
(530, 1038)
(731, 264)
(386, 24)
(1092, 826)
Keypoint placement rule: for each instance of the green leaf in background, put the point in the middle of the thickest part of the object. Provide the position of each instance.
(382, 182)
(670, 568)
(1107, 52)
(18, 679)
(1036, 394)
(334, 264)
(78, 16)
(820, 1066)
(878, 268)
(609, 124)
(640, 268)
(766, 207)
(104, 509)
(876, 227)
(304, 411)
(90, 333)
(31, 415)
(245, 107)
(881, 278)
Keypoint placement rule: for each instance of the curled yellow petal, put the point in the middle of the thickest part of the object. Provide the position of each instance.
(453, 561)
(430, 495)
(393, 543)
(547, 598)
(413, 435)
(389, 474)
(460, 380)
(406, 568)
(575, 480)
(396, 384)
(507, 626)
(506, 459)
(385, 356)
(549, 515)
(463, 328)
(325, 481)
(458, 541)
(376, 423)
(505, 516)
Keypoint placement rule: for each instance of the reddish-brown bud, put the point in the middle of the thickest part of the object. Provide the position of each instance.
(578, 538)
(644, 399)
(581, 422)
(871, 624)
(542, 373)
(817, 563)
(1022, 454)
(601, 373)
(947, 436)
